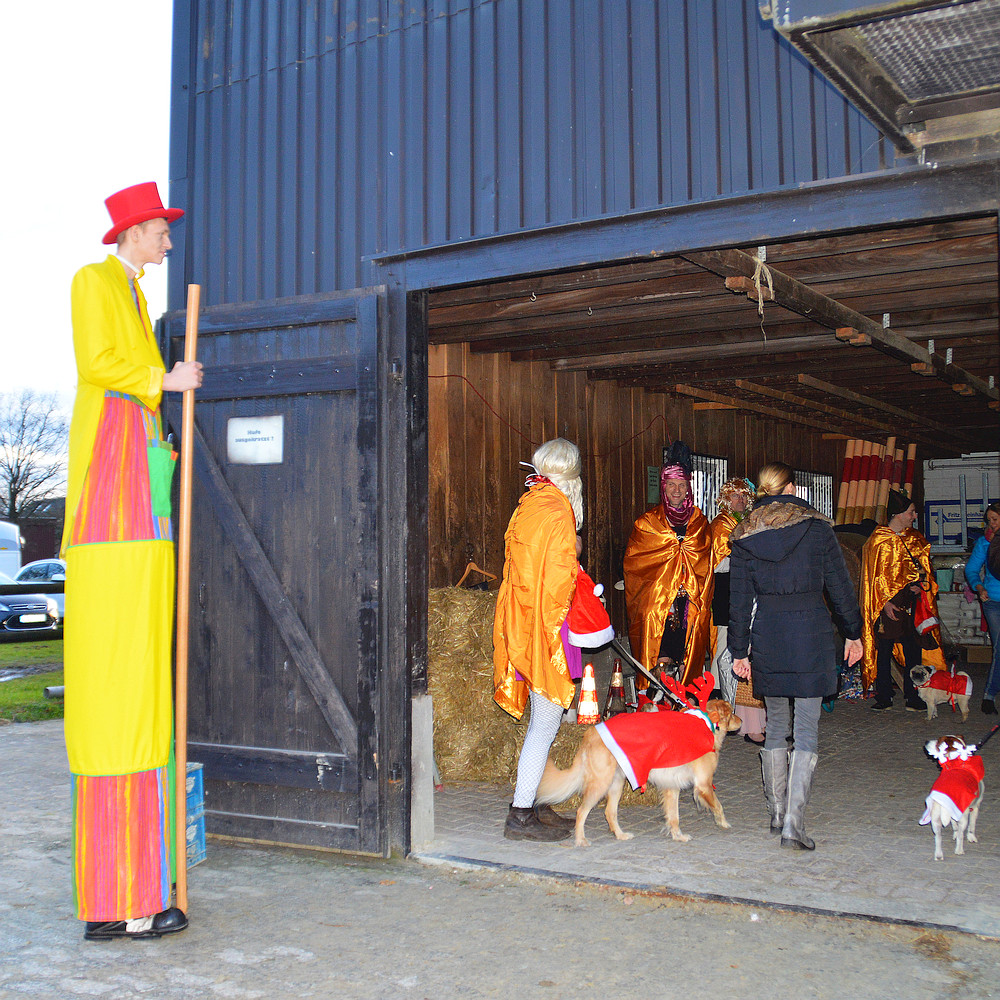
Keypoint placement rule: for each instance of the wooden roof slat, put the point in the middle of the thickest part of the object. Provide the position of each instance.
(801, 298)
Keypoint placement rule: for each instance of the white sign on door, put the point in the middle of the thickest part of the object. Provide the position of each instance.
(255, 440)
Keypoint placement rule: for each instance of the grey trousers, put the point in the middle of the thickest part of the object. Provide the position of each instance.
(796, 717)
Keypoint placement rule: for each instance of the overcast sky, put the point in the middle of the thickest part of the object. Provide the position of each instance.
(86, 112)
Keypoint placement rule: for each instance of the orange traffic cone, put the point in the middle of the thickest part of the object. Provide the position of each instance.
(588, 713)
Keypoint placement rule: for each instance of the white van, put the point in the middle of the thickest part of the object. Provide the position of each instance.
(10, 548)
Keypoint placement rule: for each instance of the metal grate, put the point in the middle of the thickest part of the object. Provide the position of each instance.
(708, 473)
(937, 53)
(815, 488)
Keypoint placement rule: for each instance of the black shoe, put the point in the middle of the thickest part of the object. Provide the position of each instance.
(881, 706)
(165, 922)
(750, 739)
(549, 817)
(989, 706)
(915, 706)
(104, 930)
(523, 824)
(169, 921)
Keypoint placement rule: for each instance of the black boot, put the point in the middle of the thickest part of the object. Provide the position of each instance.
(523, 824)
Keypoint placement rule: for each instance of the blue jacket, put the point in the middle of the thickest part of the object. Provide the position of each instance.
(976, 571)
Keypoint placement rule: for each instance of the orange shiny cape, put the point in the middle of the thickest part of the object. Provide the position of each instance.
(656, 565)
(886, 567)
(721, 528)
(539, 579)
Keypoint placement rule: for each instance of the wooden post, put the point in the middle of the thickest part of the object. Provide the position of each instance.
(886, 481)
(844, 481)
(183, 601)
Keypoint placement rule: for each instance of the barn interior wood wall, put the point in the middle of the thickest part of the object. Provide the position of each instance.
(487, 413)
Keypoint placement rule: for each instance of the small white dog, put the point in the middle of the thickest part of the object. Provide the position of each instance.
(957, 793)
(938, 686)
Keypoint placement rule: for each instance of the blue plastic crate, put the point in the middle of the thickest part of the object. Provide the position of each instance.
(195, 788)
(195, 834)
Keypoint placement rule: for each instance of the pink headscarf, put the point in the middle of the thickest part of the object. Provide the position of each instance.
(676, 515)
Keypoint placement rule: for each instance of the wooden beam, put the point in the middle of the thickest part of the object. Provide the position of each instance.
(714, 406)
(851, 419)
(799, 297)
(812, 404)
(877, 404)
(746, 404)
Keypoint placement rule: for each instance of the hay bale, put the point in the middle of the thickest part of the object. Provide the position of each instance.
(475, 739)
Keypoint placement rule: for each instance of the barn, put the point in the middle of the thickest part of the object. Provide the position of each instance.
(431, 235)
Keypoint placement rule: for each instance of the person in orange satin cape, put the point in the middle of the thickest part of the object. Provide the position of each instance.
(538, 584)
(886, 570)
(669, 574)
(529, 661)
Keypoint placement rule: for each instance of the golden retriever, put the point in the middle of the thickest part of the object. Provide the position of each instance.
(595, 773)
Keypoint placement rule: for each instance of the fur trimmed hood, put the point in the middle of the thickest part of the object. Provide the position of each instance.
(789, 514)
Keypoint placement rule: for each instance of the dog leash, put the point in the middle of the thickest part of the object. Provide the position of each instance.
(684, 705)
(987, 738)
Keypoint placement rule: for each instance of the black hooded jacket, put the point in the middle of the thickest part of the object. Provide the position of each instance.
(785, 555)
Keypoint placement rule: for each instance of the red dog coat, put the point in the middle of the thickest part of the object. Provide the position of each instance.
(642, 741)
(960, 683)
(956, 787)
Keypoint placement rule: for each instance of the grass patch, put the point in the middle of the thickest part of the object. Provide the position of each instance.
(30, 653)
(23, 699)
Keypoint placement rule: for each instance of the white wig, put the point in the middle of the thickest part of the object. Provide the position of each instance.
(559, 461)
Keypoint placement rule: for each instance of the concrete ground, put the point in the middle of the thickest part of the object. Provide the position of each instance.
(473, 915)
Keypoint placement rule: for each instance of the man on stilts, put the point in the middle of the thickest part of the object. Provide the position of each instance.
(119, 550)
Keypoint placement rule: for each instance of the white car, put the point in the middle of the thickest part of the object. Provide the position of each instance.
(45, 571)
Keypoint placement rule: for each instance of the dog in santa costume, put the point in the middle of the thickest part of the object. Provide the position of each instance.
(957, 793)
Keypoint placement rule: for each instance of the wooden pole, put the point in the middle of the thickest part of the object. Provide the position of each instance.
(911, 461)
(886, 482)
(871, 487)
(183, 600)
(844, 481)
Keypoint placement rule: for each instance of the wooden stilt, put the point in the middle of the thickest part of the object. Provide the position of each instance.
(183, 600)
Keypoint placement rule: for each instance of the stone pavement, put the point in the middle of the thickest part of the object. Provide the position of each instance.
(872, 858)
(271, 924)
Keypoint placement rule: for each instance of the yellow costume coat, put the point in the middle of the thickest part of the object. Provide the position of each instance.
(886, 567)
(657, 564)
(119, 594)
(539, 580)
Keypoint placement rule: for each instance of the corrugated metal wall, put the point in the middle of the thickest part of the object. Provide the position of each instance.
(307, 136)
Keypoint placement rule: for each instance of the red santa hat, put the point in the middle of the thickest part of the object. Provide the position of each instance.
(589, 624)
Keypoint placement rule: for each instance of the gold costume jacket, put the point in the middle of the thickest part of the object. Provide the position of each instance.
(657, 564)
(886, 567)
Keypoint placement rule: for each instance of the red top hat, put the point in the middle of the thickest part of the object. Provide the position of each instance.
(136, 204)
(589, 624)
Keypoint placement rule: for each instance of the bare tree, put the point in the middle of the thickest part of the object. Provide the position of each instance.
(33, 446)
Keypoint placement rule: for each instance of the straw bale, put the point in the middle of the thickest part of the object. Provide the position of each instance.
(475, 739)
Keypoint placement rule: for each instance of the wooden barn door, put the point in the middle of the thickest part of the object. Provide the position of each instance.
(283, 706)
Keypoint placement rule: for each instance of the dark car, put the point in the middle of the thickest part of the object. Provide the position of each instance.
(45, 571)
(26, 613)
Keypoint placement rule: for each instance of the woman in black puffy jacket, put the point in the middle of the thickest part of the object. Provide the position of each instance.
(784, 557)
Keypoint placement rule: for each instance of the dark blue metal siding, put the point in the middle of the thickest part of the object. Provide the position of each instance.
(310, 135)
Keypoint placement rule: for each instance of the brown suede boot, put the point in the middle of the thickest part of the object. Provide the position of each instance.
(547, 815)
(523, 824)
